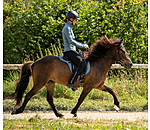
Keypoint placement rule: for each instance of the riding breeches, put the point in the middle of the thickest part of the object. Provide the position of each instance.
(78, 61)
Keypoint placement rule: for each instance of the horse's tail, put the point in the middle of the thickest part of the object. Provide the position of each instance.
(23, 82)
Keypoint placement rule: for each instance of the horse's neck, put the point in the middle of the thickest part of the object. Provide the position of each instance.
(105, 64)
(108, 60)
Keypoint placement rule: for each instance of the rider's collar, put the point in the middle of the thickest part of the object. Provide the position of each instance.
(69, 24)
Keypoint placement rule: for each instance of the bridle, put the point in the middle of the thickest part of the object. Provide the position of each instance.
(120, 61)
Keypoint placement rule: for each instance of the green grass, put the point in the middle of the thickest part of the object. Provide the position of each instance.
(131, 90)
(74, 124)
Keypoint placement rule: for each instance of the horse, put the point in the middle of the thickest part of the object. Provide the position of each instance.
(46, 72)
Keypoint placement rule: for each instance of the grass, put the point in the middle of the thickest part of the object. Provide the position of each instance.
(74, 124)
(132, 93)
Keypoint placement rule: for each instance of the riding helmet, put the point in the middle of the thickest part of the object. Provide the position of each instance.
(71, 14)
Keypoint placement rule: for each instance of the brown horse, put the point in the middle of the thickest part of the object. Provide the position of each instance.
(50, 70)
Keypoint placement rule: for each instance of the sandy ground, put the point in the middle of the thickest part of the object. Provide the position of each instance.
(108, 115)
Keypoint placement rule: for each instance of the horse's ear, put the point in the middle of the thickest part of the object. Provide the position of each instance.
(121, 42)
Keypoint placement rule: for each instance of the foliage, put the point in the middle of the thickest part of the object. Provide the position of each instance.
(30, 24)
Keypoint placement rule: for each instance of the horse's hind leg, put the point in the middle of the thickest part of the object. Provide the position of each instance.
(50, 94)
(107, 89)
(28, 96)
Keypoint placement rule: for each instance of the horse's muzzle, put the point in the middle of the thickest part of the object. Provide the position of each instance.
(128, 65)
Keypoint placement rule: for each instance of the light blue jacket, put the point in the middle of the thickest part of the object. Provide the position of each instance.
(69, 39)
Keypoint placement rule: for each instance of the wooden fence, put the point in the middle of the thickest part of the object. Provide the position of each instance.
(114, 66)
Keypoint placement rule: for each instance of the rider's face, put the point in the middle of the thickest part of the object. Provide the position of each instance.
(74, 20)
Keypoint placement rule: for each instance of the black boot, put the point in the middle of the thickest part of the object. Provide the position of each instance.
(70, 85)
(71, 82)
(75, 75)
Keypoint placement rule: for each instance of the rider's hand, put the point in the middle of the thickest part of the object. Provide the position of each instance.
(86, 46)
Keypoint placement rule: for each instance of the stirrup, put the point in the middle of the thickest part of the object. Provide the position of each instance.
(69, 85)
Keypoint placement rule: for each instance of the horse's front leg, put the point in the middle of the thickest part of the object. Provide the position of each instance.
(107, 89)
(80, 100)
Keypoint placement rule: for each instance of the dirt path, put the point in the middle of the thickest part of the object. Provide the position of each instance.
(108, 115)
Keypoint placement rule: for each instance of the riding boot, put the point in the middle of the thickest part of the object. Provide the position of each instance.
(75, 75)
(71, 84)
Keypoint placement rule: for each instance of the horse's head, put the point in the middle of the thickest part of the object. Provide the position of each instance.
(121, 55)
(111, 49)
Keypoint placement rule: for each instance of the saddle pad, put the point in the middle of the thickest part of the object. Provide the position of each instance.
(70, 67)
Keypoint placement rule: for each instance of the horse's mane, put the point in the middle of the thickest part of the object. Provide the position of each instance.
(100, 47)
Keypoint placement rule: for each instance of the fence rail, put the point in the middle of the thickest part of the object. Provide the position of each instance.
(114, 66)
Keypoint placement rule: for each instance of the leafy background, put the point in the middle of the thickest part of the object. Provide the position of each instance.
(34, 26)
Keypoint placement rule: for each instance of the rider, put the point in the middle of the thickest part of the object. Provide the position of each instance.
(70, 45)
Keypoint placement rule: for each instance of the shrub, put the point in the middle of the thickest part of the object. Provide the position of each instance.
(28, 25)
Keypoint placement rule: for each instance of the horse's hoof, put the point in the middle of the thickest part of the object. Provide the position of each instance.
(60, 115)
(75, 115)
(14, 112)
(116, 108)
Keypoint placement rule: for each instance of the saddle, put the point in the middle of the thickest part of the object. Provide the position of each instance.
(73, 67)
